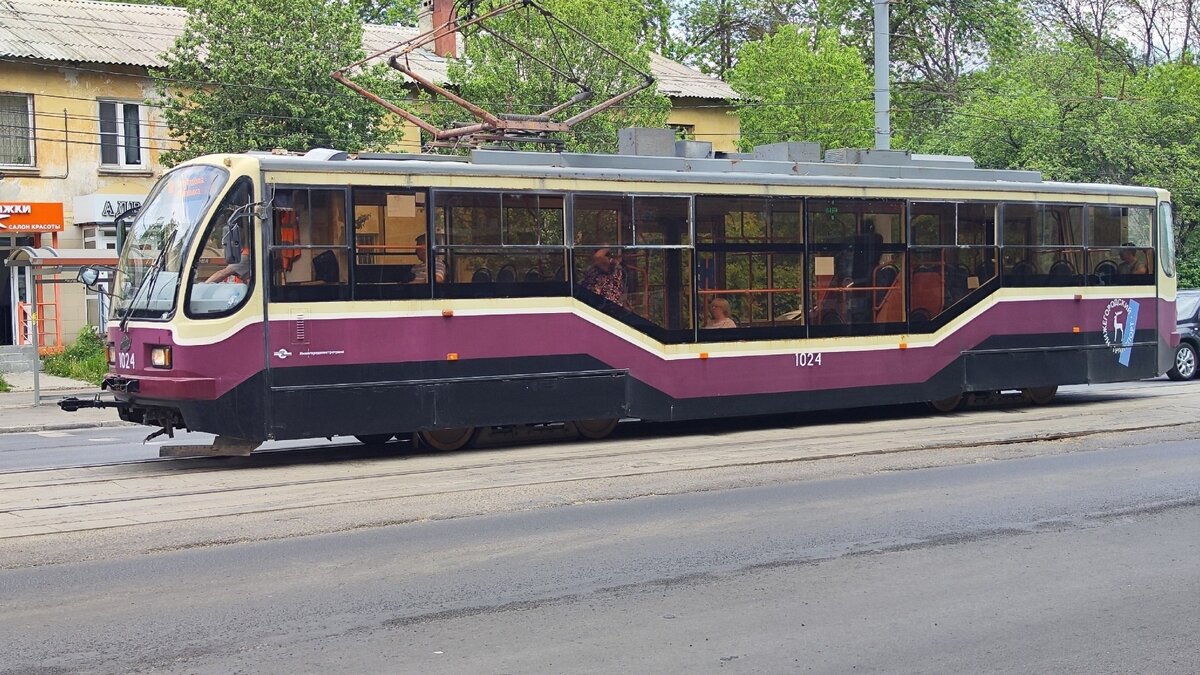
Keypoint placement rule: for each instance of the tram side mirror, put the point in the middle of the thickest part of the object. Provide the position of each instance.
(92, 275)
(233, 241)
(88, 276)
(123, 221)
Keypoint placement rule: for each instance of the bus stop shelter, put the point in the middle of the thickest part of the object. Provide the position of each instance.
(37, 275)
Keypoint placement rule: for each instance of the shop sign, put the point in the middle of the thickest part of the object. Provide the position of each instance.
(103, 209)
(31, 217)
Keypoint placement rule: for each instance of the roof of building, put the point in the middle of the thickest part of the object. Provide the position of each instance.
(89, 31)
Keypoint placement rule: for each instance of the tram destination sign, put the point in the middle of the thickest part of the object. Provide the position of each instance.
(31, 217)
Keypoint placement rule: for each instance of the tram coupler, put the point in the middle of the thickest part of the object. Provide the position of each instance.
(73, 403)
(221, 446)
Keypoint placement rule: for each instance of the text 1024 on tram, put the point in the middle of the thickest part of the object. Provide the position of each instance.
(263, 296)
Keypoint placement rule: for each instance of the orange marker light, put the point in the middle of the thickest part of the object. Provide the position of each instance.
(903, 345)
(447, 313)
(1075, 330)
(1078, 298)
(452, 356)
(703, 355)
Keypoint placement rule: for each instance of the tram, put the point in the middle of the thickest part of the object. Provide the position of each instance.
(266, 296)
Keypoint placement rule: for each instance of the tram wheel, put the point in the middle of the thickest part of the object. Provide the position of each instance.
(1040, 395)
(373, 439)
(448, 440)
(948, 404)
(596, 429)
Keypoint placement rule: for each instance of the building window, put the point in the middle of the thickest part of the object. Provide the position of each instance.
(16, 130)
(120, 134)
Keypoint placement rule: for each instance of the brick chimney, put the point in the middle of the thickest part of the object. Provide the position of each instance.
(434, 14)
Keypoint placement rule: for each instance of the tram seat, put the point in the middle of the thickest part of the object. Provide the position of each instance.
(533, 276)
(1062, 273)
(927, 294)
(482, 276)
(985, 270)
(886, 307)
(1106, 270)
(326, 268)
(506, 275)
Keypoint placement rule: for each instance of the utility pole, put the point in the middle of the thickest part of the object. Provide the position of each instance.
(883, 61)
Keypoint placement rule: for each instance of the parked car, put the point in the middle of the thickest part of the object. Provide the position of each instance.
(1187, 317)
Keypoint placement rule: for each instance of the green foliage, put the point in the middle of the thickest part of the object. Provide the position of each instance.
(4, 386)
(503, 81)
(393, 12)
(1188, 272)
(1039, 110)
(254, 75)
(83, 360)
(801, 88)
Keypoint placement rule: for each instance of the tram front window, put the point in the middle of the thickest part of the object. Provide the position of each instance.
(150, 266)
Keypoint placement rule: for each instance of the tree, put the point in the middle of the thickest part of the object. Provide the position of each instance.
(794, 91)
(254, 75)
(392, 12)
(492, 74)
(1038, 110)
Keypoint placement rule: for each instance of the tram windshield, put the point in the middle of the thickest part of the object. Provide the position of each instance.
(149, 270)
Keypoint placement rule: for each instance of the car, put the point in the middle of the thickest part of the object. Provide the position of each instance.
(1187, 317)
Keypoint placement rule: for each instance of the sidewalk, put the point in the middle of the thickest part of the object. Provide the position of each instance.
(18, 412)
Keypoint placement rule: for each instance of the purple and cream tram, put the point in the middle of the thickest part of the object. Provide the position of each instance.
(263, 296)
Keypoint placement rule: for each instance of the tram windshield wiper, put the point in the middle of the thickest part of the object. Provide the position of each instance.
(148, 279)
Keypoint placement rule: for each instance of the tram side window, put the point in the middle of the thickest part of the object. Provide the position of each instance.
(952, 260)
(1043, 245)
(1120, 248)
(387, 225)
(223, 269)
(496, 244)
(632, 259)
(855, 266)
(750, 267)
(310, 252)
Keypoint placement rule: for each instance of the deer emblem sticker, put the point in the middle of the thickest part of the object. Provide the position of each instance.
(1119, 327)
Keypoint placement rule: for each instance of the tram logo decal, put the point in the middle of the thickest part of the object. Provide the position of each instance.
(1119, 327)
(282, 354)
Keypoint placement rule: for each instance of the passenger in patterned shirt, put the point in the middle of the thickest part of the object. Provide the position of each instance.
(420, 271)
(606, 277)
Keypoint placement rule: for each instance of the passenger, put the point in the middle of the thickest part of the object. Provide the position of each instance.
(421, 271)
(606, 276)
(720, 314)
(1129, 261)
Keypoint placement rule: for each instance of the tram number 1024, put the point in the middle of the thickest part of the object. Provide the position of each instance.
(808, 359)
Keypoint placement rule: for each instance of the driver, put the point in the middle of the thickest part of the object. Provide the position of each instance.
(238, 272)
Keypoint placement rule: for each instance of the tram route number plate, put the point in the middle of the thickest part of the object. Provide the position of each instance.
(808, 359)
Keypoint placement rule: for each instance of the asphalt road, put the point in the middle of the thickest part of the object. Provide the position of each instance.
(1083, 561)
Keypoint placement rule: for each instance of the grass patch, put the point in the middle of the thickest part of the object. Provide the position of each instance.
(4, 386)
(83, 360)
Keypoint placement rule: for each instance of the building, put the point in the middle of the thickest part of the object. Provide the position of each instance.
(79, 144)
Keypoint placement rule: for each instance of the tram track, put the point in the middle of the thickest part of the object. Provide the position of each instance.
(113, 494)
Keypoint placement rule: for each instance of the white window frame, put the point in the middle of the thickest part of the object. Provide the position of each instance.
(32, 145)
(120, 134)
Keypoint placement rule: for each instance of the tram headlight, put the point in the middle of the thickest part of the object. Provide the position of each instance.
(160, 357)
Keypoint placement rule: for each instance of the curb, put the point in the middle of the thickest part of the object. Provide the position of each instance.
(63, 426)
